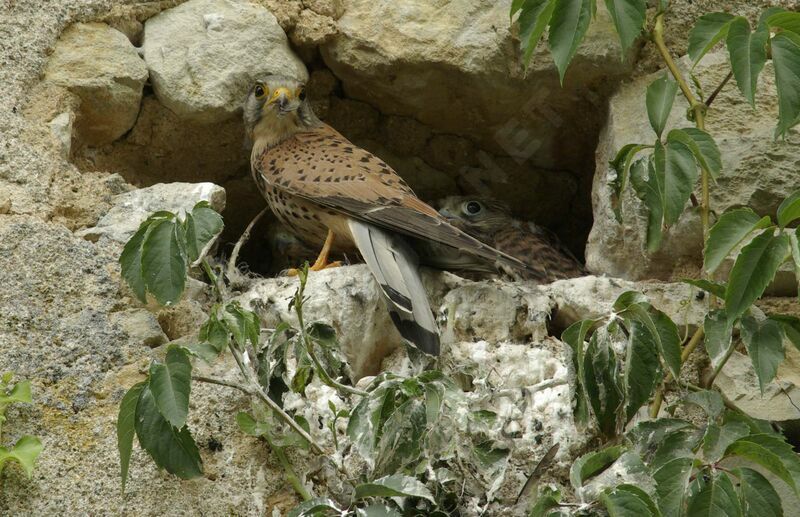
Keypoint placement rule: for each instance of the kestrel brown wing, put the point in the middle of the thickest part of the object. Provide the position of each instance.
(324, 167)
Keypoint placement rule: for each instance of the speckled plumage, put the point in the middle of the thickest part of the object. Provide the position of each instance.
(548, 259)
(316, 182)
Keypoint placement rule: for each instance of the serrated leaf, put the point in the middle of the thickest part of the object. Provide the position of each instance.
(764, 342)
(789, 210)
(709, 30)
(20, 392)
(770, 452)
(593, 463)
(215, 333)
(717, 439)
(533, 20)
(170, 384)
(714, 288)
(785, 20)
(547, 499)
(125, 428)
(718, 335)
(649, 186)
(171, 449)
(663, 330)
(728, 232)
(250, 425)
(381, 510)
(754, 270)
(717, 498)
(672, 481)
(628, 17)
(791, 327)
(679, 444)
(758, 497)
(602, 380)
(748, 51)
(575, 337)
(315, 507)
(709, 401)
(163, 263)
(131, 263)
(628, 501)
(659, 100)
(648, 434)
(203, 226)
(702, 146)
(641, 367)
(568, 26)
(622, 166)
(680, 176)
(393, 486)
(786, 59)
(24, 452)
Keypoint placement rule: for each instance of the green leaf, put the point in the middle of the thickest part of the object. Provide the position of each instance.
(628, 501)
(785, 20)
(786, 58)
(163, 264)
(789, 210)
(21, 392)
(717, 498)
(203, 226)
(568, 27)
(533, 21)
(593, 463)
(729, 231)
(131, 263)
(758, 497)
(764, 342)
(602, 382)
(679, 444)
(622, 166)
(641, 367)
(660, 97)
(718, 335)
(748, 51)
(382, 510)
(315, 507)
(393, 486)
(575, 337)
(125, 428)
(629, 299)
(24, 452)
(203, 350)
(663, 330)
(709, 401)
(629, 17)
(709, 30)
(547, 499)
(170, 384)
(754, 270)
(250, 425)
(680, 177)
(714, 288)
(717, 439)
(649, 186)
(171, 449)
(770, 452)
(672, 481)
(702, 146)
(791, 327)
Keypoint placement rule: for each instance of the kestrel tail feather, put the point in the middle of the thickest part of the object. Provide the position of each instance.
(395, 266)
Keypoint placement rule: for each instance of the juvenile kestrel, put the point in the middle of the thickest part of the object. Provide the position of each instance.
(491, 222)
(324, 188)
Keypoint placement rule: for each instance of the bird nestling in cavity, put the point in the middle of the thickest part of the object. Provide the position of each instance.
(491, 222)
(325, 189)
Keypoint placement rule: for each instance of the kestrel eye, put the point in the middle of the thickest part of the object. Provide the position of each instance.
(472, 208)
(302, 94)
(260, 91)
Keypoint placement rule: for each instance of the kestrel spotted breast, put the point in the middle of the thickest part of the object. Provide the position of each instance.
(491, 222)
(324, 188)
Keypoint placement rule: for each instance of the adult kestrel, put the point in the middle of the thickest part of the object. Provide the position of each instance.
(491, 222)
(324, 188)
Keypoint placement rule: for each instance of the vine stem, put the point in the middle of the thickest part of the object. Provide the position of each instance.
(242, 240)
(687, 351)
(710, 381)
(291, 475)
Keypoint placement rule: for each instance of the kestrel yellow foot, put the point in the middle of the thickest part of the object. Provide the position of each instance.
(322, 260)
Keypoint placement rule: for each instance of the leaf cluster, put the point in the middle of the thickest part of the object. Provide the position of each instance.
(27, 448)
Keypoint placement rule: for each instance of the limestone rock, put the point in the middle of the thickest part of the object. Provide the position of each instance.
(204, 55)
(131, 208)
(141, 326)
(100, 65)
(455, 66)
(758, 171)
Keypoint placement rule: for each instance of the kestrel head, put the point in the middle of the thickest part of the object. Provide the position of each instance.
(475, 215)
(276, 108)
